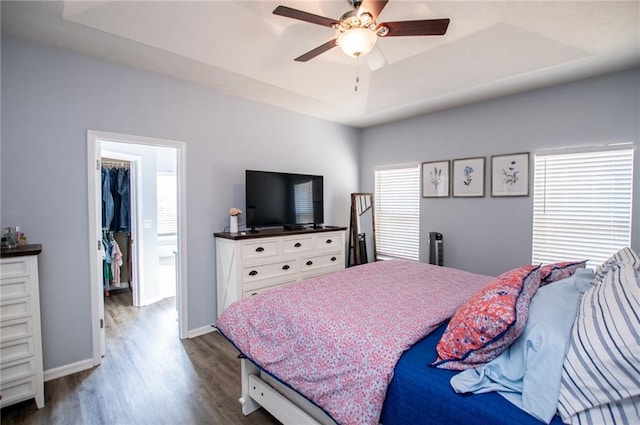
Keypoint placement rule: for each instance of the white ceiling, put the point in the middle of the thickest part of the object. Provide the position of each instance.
(491, 48)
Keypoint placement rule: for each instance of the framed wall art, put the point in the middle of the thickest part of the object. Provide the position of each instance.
(435, 179)
(510, 174)
(467, 178)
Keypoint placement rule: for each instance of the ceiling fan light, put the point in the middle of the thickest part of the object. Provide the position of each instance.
(357, 41)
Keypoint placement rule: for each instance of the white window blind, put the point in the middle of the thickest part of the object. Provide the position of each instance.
(582, 205)
(167, 201)
(397, 203)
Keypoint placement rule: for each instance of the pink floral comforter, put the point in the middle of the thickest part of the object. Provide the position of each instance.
(337, 338)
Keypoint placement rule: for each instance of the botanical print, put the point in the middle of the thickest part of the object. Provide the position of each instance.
(435, 179)
(510, 174)
(467, 175)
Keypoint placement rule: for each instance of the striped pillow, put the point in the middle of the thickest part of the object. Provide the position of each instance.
(602, 365)
(619, 412)
(624, 256)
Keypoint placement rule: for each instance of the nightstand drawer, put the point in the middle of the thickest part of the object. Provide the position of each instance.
(15, 350)
(12, 267)
(17, 391)
(260, 249)
(15, 308)
(15, 329)
(19, 369)
(15, 287)
(268, 271)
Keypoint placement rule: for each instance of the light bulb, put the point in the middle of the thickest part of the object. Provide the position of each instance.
(357, 41)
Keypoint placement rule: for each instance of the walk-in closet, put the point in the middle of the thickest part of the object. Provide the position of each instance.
(116, 225)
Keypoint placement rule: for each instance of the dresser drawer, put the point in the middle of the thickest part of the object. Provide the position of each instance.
(297, 244)
(11, 330)
(12, 267)
(15, 287)
(270, 270)
(15, 308)
(259, 249)
(329, 241)
(17, 391)
(250, 292)
(15, 350)
(319, 264)
(16, 370)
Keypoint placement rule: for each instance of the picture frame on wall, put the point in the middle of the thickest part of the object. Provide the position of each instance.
(510, 174)
(435, 179)
(467, 177)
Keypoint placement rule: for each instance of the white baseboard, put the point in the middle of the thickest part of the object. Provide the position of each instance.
(70, 369)
(193, 333)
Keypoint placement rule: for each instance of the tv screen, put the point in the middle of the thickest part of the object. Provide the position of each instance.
(283, 199)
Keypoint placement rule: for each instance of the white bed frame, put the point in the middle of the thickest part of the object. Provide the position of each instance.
(261, 390)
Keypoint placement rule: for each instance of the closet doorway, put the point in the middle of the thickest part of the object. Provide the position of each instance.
(151, 244)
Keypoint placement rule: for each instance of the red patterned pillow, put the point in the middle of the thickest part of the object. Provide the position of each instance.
(490, 321)
(558, 271)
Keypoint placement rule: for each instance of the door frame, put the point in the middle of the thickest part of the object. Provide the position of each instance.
(94, 139)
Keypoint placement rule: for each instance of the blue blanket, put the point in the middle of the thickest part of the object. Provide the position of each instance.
(421, 394)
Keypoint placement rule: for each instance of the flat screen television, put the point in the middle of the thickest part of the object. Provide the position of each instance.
(283, 199)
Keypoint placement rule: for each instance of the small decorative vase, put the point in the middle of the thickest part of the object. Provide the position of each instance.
(233, 224)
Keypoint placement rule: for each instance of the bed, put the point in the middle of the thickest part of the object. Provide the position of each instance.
(364, 345)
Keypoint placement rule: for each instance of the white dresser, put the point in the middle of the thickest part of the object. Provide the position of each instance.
(247, 264)
(21, 375)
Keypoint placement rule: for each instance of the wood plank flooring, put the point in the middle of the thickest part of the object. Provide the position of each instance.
(148, 376)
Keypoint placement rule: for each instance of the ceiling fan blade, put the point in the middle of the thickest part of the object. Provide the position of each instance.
(318, 50)
(408, 28)
(372, 7)
(304, 16)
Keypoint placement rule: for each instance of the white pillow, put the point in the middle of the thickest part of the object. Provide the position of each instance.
(602, 364)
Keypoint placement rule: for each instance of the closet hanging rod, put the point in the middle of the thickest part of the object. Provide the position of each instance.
(114, 163)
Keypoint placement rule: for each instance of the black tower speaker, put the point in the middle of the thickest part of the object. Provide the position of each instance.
(435, 248)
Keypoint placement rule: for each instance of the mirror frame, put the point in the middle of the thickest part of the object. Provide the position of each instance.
(357, 255)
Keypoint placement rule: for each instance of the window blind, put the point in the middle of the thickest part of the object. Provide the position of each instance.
(582, 205)
(167, 202)
(397, 206)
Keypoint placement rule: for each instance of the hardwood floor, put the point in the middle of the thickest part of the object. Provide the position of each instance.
(148, 376)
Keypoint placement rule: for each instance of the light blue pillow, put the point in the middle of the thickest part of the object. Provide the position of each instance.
(528, 373)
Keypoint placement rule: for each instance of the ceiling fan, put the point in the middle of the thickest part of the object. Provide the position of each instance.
(358, 29)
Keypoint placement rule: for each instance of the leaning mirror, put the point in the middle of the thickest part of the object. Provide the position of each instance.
(362, 237)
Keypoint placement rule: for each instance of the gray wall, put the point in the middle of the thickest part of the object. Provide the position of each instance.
(50, 97)
(490, 235)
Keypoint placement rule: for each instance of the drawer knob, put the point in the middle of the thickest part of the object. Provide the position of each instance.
(255, 293)
(329, 241)
(298, 245)
(333, 258)
(253, 272)
(285, 267)
(259, 249)
(309, 263)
